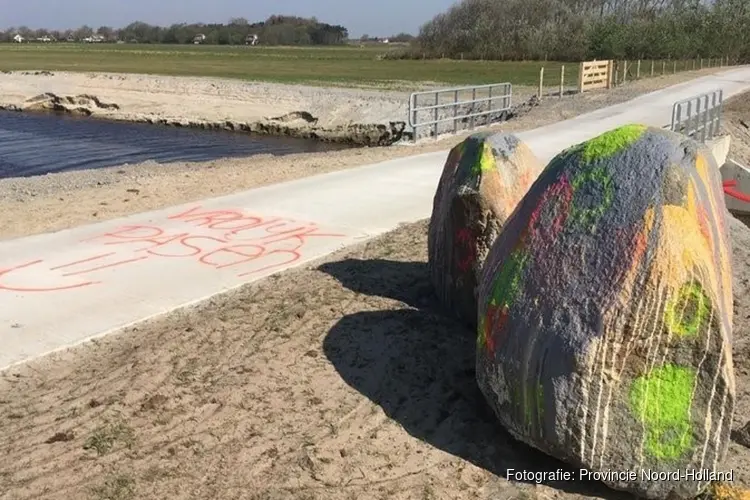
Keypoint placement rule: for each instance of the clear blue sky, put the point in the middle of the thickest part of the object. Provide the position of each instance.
(373, 17)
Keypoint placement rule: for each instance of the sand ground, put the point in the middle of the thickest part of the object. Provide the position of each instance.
(340, 380)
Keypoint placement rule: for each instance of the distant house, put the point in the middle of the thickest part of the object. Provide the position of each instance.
(18, 39)
(199, 38)
(93, 39)
(251, 40)
(45, 39)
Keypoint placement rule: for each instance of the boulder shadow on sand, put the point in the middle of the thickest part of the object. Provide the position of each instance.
(412, 363)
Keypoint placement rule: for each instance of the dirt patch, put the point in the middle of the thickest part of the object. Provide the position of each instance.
(736, 122)
(339, 381)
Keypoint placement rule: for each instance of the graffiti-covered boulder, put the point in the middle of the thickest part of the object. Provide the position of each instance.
(483, 179)
(605, 313)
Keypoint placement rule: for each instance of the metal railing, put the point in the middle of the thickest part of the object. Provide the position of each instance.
(698, 117)
(474, 105)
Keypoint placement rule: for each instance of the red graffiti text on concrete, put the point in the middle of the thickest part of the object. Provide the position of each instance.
(213, 238)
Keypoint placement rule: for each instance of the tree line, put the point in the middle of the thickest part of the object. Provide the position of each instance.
(575, 30)
(276, 30)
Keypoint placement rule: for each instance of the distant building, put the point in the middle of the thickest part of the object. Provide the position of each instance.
(93, 39)
(199, 38)
(45, 39)
(18, 39)
(251, 40)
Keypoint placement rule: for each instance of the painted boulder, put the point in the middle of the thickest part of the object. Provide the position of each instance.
(605, 313)
(483, 179)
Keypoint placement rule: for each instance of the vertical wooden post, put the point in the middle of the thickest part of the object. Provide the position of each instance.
(663, 67)
(652, 68)
(638, 70)
(701, 63)
(562, 80)
(610, 72)
(693, 64)
(625, 72)
(541, 82)
(674, 67)
(580, 77)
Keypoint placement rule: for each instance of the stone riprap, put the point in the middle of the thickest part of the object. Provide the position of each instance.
(605, 311)
(483, 179)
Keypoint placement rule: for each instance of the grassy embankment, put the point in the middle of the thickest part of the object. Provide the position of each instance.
(343, 65)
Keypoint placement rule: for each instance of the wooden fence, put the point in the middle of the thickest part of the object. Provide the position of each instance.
(595, 75)
(610, 74)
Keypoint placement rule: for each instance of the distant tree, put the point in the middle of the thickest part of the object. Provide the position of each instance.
(402, 37)
(106, 32)
(579, 29)
(276, 30)
(83, 32)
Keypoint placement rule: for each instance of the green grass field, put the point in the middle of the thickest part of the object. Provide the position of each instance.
(345, 65)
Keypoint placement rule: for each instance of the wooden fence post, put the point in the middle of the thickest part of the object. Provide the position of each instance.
(610, 72)
(625, 72)
(562, 80)
(652, 68)
(693, 64)
(701, 63)
(638, 70)
(663, 67)
(541, 82)
(580, 78)
(674, 67)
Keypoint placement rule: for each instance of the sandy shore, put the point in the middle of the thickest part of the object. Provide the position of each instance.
(59, 201)
(337, 381)
(360, 116)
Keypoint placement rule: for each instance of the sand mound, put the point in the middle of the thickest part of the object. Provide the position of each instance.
(82, 104)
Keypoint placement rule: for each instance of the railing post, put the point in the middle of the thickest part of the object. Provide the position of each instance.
(436, 115)
(625, 72)
(455, 111)
(413, 106)
(638, 70)
(652, 68)
(473, 102)
(663, 67)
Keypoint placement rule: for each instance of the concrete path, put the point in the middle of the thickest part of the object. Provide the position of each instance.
(62, 288)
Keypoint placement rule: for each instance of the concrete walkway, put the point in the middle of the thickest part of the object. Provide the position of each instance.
(62, 288)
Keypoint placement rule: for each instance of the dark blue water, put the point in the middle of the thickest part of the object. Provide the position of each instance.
(36, 144)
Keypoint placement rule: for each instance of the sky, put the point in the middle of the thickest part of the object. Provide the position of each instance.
(372, 17)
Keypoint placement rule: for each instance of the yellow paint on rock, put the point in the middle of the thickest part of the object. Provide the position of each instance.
(487, 159)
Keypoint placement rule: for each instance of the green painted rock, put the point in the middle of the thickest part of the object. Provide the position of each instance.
(483, 179)
(605, 312)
